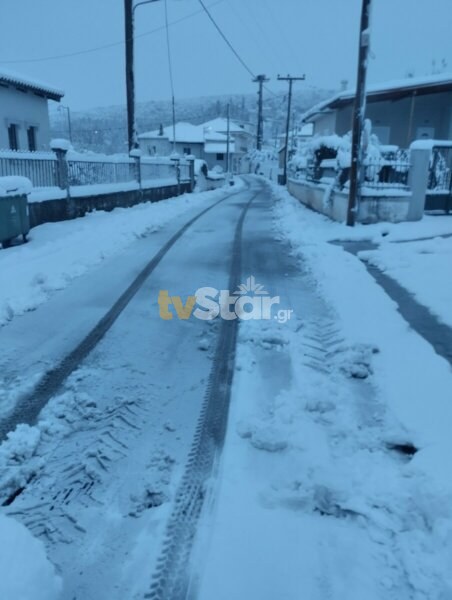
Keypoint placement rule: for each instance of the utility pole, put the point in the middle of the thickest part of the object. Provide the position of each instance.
(130, 83)
(260, 79)
(356, 172)
(289, 108)
(227, 141)
(129, 15)
(69, 122)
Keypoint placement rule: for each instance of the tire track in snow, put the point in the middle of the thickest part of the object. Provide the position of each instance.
(30, 405)
(171, 579)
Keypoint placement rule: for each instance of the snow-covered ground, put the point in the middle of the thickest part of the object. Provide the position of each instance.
(25, 572)
(335, 480)
(423, 268)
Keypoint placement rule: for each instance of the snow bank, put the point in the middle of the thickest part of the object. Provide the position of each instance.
(25, 572)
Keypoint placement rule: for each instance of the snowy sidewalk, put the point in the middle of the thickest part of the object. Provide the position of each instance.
(416, 277)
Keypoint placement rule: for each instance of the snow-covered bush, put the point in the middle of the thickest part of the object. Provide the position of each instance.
(329, 157)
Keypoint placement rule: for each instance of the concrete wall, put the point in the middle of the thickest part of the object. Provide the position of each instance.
(50, 211)
(25, 109)
(333, 203)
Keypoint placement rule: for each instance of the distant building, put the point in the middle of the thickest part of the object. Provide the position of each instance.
(297, 135)
(24, 114)
(401, 111)
(207, 142)
(243, 138)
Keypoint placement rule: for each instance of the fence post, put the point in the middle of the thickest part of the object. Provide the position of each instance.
(418, 181)
(191, 169)
(61, 147)
(176, 160)
(136, 154)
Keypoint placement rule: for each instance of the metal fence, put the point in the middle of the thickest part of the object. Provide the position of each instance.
(81, 172)
(40, 169)
(379, 174)
(43, 168)
(164, 169)
(386, 174)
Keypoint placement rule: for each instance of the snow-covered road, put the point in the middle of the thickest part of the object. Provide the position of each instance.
(328, 478)
(105, 458)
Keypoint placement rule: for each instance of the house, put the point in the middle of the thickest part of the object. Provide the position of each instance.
(400, 111)
(243, 138)
(297, 135)
(24, 114)
(185, 138)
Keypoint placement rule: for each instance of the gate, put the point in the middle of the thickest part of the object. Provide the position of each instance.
(439, 186)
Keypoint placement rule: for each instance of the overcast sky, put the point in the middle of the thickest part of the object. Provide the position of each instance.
(315, 37)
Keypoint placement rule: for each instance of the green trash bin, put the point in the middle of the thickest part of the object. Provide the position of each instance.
(14, 218)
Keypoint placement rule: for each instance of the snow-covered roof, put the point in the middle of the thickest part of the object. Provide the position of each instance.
(220, 125)
(185, 132)
(408, 85)
(9, 78)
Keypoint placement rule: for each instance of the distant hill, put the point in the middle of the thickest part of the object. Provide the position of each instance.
(104, 129)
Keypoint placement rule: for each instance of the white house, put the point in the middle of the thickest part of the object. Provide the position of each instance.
(202, 141)
(24, 115)
(243, 138)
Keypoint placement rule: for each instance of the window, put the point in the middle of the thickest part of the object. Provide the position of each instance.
(31, 134)
(187, 150)
(220, 156)
(12, 136)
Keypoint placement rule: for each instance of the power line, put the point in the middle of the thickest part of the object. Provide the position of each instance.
(217, 27)
(236, 54)
(105, 46)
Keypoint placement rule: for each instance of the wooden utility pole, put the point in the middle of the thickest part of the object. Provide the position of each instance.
(289, 108)
(260, 79)
(227, 141)
(359, 110)
(130, 83)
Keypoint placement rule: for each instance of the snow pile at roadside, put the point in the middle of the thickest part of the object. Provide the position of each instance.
(423, 268)
(368, 316)
(57, 253)
(407, 505)
(25, 572)
(339, 468)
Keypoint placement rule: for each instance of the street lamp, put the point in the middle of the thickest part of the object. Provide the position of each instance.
(62, 106)
(130, 9)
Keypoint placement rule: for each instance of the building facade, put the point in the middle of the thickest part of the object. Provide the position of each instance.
(202, 141)
(24, 114)
(401, 112)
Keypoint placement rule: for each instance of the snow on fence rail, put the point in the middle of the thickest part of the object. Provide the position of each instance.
(42, 168)
(385, 169)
